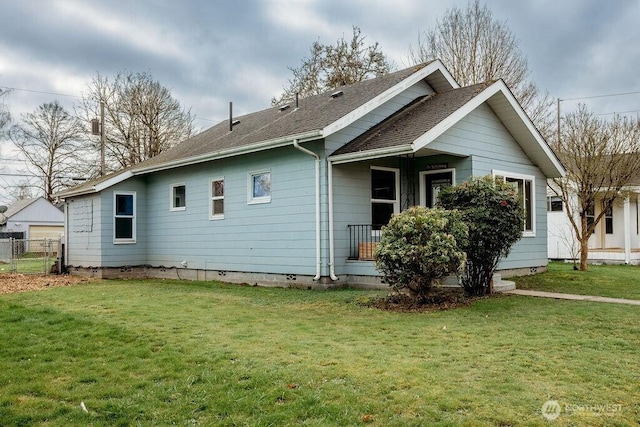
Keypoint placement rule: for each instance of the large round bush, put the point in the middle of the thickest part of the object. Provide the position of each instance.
(420, 246)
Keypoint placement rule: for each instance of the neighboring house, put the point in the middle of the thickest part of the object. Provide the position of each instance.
(36, 218)
(616, 238)
(297, 194)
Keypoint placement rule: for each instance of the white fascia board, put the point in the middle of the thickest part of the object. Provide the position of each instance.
(497, 88)
(374, 103)
(237, 151)
(116, 179)
(371, 154)
(113, 181)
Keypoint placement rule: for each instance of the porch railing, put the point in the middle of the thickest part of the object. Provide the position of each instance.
(363, 239)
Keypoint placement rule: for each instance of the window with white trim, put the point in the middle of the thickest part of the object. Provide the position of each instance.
(178, 197)
(385, 195)
(608, 218)
(591, 217)
(124, 217)
(524, 185)
(216, 191)
(259, 187)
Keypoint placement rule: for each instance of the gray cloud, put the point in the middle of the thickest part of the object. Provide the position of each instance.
(212, 52)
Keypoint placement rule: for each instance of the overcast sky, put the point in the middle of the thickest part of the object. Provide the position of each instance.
(211, 52)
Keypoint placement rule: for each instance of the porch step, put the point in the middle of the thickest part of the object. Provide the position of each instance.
(499, 285)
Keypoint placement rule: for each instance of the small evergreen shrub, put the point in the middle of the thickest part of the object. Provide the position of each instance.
(420, 246)
(494, 217)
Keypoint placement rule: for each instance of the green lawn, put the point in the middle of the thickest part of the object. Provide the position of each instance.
(29, 265)
(192, 353)
(616, 281)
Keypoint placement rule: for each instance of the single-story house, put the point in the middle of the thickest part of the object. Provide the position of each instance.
(35, 218)
(297, 194)
(616, 239)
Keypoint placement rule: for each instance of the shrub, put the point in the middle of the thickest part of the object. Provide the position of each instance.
(494, 217)
(420, 246)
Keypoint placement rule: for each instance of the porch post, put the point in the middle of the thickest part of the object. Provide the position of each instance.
(627, 228)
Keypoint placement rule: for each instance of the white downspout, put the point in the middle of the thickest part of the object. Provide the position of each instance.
(317, 161)
(332, 270)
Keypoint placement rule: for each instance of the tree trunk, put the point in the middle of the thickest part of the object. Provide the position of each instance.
(584, 251)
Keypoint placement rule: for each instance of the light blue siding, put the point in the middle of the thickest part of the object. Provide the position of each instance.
(491, 147)
(275, 237)
(117, 255)
(84, 231)
(480, 144)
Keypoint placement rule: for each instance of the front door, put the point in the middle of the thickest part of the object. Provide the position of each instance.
(432, 183)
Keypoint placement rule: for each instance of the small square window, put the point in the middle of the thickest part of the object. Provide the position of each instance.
(259, 187)
(178, 197)
(216, 209)
(554, 204)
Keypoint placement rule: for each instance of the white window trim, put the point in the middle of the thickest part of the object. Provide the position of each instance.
(256, 200)
(212, 197)
(505, 174)
(133, 220)
(423, 190)
(396, 202)
(172, 188)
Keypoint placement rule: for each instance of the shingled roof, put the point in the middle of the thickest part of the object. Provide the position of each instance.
(313, 114)
(409, 123)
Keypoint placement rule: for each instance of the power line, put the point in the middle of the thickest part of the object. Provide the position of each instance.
(16, 174)
(618, 112)
(40, 91)
(600, 96)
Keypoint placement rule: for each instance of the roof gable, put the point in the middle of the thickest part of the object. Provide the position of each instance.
(22, 209)
(420, 123)
(19, 205)
(411, 122)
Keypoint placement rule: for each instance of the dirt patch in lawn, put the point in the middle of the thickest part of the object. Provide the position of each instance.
(12, 282)
(437, 299)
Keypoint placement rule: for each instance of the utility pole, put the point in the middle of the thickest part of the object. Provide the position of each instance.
(97, 127)
(558, 141)
(102, 138)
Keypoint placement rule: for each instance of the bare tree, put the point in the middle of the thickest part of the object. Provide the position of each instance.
(50, 139)
(142, 119)
(601, 158)
(331, 66)
(476, 48)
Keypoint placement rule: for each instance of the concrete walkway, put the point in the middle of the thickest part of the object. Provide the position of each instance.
(572, 296)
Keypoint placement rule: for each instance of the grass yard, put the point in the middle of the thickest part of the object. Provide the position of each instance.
(29, 265)
(615, 281)
(193, 353)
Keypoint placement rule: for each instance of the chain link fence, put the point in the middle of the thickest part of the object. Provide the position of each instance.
(29, 256)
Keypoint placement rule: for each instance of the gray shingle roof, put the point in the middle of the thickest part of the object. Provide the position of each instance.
(314, 113)
(411, 122)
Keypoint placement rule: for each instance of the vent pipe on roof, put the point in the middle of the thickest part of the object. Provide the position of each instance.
(230, 116)
(297, 96)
